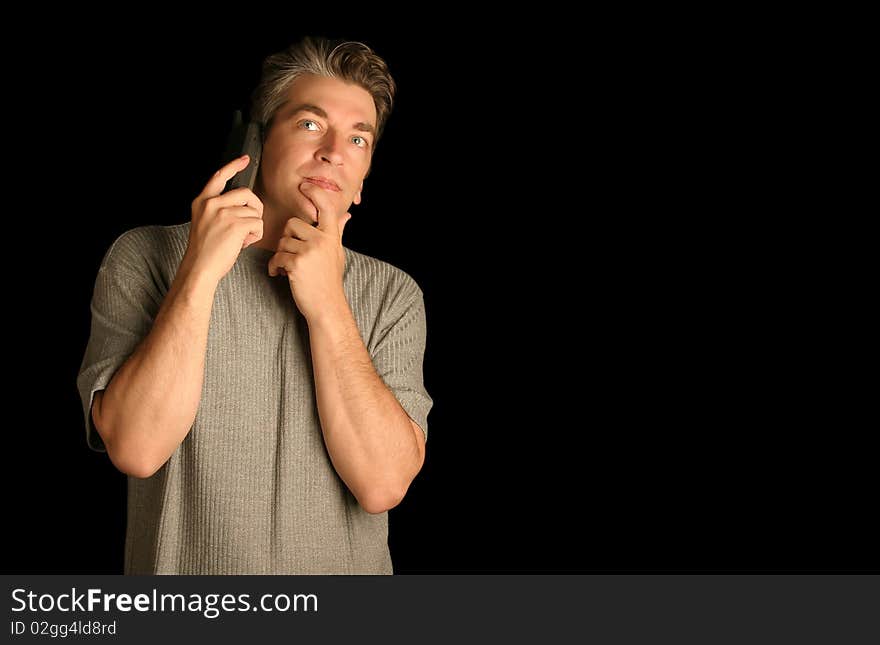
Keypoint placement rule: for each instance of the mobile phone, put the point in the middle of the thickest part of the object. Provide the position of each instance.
(244, 138)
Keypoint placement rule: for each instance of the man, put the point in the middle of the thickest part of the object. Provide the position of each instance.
(260, 383)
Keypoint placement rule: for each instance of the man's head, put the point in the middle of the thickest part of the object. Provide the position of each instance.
(323, 105)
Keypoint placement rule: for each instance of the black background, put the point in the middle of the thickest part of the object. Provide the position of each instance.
(627, 350)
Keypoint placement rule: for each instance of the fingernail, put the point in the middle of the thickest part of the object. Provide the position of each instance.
(243, 157)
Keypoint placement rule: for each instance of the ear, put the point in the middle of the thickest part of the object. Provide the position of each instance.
(357, 196)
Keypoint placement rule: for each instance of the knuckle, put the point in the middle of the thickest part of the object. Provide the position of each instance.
(230, 221)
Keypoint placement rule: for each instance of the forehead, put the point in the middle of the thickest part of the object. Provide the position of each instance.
(338, 98)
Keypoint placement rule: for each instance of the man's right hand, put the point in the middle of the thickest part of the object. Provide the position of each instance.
(222, 224)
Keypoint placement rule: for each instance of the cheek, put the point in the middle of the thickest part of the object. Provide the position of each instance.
(269, 165)
(281, 172)
(278, 157)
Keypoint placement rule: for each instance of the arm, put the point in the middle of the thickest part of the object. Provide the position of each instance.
(151, 402)
(375, 447)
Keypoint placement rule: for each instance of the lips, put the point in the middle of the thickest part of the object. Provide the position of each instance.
(323, 182)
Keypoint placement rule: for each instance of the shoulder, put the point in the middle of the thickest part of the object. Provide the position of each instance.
(379, 278)
(147, 246)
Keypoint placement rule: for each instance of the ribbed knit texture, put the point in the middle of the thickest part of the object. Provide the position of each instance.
(251, 490)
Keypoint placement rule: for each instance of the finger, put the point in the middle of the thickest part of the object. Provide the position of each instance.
(239, 211)
(295, 227)
(218, 180)
(250, 229)
(239, 197)
(291, 245)
(317, 196)
(328, 222)
(281, 264)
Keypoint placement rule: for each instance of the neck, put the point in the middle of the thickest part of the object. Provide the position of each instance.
(274, 221)
(272, 230)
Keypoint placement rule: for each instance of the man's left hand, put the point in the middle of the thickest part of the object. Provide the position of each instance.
(313, 257)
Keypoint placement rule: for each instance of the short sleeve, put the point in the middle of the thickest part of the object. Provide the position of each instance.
(399, 355)
(124, 304)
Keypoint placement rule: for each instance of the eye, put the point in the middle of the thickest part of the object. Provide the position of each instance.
(306, 122)
(360, 142)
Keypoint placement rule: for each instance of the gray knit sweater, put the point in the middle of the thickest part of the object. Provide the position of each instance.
(251, 490)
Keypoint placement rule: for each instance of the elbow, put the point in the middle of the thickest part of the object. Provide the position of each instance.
(131, 463)
(385, 495)
(140, 470)
(127, 460)
(378, 501)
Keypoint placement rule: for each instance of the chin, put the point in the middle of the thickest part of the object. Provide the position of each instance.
(308, 218)
(305, 212)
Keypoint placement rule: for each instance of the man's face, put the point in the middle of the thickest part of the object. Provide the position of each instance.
(325, 129)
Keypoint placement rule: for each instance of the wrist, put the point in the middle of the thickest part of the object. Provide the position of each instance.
(333, 312)
(193, 283)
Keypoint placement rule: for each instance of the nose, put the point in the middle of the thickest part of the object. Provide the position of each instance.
(331, 148)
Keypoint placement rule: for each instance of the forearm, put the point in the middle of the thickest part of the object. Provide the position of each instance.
(150, 404)
(368, 434)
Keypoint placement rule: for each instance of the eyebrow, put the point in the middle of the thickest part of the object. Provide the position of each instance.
(314, 109)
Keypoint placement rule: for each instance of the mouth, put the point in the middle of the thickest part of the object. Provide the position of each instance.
(323, 182)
